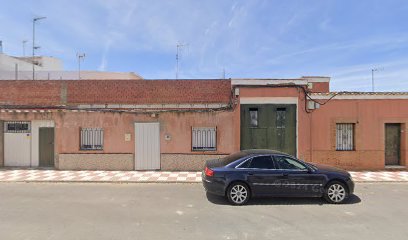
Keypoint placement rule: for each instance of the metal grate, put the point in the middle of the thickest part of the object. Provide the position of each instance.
(281, 118)
(345, 136)
(91, 138)
(204, 139)
(17, 127)
(253, 114)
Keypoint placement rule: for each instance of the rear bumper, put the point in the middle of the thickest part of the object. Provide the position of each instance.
(213, 185)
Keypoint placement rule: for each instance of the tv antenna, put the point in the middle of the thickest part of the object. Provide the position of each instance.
(80, 56)
(372, 76)
(179, 48)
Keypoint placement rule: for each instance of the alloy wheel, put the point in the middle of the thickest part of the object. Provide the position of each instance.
(336, 193)
(238, 194)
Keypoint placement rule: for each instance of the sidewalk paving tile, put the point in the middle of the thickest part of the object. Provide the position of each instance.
(41, 175)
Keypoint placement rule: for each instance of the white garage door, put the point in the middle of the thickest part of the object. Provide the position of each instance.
(147, 146)
(17, 144)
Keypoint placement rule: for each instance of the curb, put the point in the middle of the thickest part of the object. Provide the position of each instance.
(166, 182)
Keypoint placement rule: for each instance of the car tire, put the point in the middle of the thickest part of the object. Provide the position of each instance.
(336, 192)
(238, 193)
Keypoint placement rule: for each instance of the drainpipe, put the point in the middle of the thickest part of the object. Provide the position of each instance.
(16, 70)
(310, 135)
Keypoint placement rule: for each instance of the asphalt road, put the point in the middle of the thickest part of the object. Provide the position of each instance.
(184, 211)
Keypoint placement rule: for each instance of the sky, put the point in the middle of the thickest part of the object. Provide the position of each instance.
(342, 39)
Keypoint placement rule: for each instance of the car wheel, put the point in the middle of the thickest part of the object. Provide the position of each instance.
(238, 193)
(336, 192)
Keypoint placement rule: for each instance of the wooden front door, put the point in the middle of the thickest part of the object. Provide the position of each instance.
(269, 126)
(392, 143)
(46, 147)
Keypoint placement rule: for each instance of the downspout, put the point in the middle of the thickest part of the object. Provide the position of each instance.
(310, 136)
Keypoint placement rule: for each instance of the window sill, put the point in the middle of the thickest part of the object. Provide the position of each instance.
(91, 150)
(199, 151)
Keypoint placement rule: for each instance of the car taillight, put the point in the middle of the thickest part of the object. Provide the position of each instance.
(209, 172)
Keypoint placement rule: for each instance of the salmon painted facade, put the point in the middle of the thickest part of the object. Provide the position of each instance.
(178, 124)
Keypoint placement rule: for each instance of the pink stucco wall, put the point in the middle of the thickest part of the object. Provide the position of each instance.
(316, 130)
(317, 133)
(116, 125)
(370, 117)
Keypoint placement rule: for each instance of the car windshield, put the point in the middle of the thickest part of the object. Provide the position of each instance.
(309, 164)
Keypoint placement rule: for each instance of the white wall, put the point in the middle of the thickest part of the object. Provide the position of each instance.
(17, 149)
(8, 63)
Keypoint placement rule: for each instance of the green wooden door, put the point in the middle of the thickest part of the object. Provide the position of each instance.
(269, 126)
(46, 147)
(392, 143)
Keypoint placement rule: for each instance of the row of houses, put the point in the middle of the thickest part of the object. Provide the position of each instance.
(178, 124)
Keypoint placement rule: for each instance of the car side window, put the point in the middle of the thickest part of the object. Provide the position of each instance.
(262, 162)
(245, 164)
(288, 163)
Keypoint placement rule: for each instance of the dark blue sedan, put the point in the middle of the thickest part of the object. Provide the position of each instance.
(251, 173)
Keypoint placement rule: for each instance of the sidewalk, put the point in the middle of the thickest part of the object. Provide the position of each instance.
(40, 175)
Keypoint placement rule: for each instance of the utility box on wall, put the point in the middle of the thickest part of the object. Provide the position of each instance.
(311, 105)
(128, 137)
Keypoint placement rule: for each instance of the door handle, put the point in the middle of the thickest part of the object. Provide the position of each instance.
(250, 174)
(285, 174)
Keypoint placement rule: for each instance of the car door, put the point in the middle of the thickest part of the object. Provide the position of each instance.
(300, 180)
(262, 175)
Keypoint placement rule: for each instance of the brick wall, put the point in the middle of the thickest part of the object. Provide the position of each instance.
(30, 92)
(321, 87)
(52, 92)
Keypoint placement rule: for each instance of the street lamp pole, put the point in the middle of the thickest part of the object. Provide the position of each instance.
(179, 46)
(24, 43)
(35, 47)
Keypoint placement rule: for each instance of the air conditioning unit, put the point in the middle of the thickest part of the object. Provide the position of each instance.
(311, 105)
(236, 92)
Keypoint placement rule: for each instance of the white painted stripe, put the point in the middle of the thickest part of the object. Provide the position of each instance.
(154, 106)
(264, 82)
(268, 100)
(360, 96)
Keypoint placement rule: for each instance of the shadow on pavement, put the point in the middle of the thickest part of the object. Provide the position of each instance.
(353, 199)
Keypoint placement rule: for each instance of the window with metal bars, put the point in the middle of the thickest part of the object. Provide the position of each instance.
(345, 136)
(204, 139)
(17, 127)
(281, 118)
(253, 114)
(91, 138)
